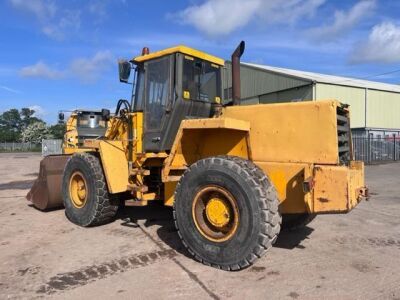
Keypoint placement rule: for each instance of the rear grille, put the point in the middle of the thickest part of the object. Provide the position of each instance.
(343, 128)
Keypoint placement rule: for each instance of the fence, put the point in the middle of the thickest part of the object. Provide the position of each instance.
(371, 149)
(368, 149)
(19, 147)
(51, 147)
(47, 147)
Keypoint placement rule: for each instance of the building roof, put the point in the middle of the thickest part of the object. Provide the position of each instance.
(182, 49)
(330, 79)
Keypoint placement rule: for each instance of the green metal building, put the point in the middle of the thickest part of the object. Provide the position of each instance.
(375, 106)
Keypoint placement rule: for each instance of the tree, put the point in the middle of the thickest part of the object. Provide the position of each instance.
(57, 131)
(10, 122)
(14, 122)
(27, 118)
(11, 119)
(36, 132)
(26, 113)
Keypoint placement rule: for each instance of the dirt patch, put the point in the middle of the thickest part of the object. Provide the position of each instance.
(29, 270)
(293, 295)
(378, 242)
(16, 185)
(92, 273)
(257, 269)
(276, 273)
(35, 174)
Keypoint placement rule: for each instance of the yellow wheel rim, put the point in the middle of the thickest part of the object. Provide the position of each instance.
(78, 189)
(215, 213)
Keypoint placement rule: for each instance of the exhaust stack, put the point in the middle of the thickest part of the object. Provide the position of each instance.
(236, 73)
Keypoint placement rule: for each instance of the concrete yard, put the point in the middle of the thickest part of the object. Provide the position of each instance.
(139, 255)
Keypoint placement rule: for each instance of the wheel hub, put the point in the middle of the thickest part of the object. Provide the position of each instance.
(78, 190)
(217, 212)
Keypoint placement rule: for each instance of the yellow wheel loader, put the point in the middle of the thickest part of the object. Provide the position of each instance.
(233, 174)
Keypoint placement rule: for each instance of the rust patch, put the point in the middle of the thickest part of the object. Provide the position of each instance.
(323, 200)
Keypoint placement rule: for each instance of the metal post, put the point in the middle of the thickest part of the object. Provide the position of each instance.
(368, 148)
(394, 146)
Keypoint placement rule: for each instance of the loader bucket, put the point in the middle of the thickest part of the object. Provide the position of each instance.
(46, 190)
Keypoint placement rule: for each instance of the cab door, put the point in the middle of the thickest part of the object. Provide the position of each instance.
(158, 91)
(197, 91)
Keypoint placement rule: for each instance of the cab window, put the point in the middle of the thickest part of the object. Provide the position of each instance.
(157, 92)
(201, 80)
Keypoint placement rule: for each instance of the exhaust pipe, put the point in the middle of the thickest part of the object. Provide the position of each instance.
(236, 73)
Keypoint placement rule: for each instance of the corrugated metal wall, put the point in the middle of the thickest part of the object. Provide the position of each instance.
(262, 86)
(383, 109)
(255, 82)
(355, 97)
(302, 93)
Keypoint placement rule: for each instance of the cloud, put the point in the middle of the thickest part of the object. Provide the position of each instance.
(11, 90)
(88, 70)
(40, 112)
(344, 21)
(99, 9)
(41, 9)
(56, 23)
(70, 20)
(289, 11)
(41, 70)
(382, 46)
(222, 17)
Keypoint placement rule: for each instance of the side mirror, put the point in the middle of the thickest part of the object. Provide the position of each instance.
(60, 117)
(124, 68)
(105, 113)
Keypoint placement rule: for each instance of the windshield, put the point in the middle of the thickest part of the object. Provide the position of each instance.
(138, 96)
(201, 79)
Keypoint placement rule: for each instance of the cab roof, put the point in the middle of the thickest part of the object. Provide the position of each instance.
(180, 49)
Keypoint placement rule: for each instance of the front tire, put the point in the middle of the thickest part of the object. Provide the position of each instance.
(85, 193)
(226, 212)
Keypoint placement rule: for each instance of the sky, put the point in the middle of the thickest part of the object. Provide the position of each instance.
(62, 55)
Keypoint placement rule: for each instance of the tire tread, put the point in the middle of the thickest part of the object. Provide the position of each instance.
(267, 201)
(104, 211)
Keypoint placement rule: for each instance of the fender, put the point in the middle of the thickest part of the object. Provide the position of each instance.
(200, 138)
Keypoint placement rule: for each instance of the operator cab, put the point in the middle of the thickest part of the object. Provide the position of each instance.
(172, 85)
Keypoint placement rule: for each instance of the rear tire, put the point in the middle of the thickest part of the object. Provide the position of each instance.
(255, 200)
(291, 222)
(89, 204)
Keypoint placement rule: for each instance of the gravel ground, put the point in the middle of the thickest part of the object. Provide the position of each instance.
(43, 255)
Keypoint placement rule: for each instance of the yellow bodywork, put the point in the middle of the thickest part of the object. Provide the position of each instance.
(289, 142)
(115, 165)
(304, 132)
(337, 188)
(181, 49)
(202, 138)
(70, 142)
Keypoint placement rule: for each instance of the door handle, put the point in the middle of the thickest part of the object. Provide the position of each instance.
(156, 139)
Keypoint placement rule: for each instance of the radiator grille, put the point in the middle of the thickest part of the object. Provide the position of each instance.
(344, 136)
